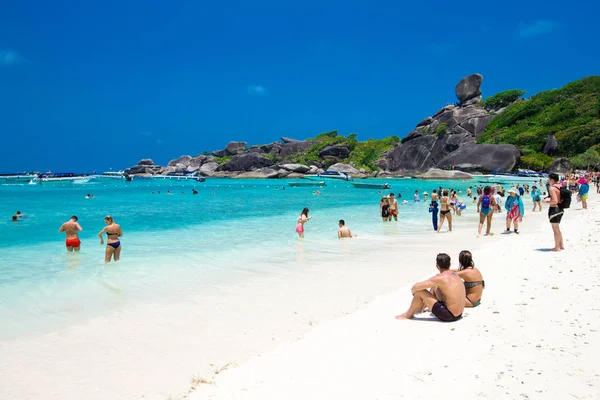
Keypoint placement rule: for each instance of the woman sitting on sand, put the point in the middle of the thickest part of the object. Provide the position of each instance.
(113, 243)
(474, 283)
(302, 219)
(445, 208)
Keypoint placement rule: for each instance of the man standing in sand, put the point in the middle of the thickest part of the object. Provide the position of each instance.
(71, 229)
(393, 207)
(344, 231)
(446, 300)
(555, 213)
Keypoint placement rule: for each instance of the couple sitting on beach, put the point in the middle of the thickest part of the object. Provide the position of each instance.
(450, 291)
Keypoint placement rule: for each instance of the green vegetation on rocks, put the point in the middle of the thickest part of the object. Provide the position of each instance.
(502, 99)
(571, 113)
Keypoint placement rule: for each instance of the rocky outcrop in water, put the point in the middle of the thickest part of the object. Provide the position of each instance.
(247, 162)
(448, 138)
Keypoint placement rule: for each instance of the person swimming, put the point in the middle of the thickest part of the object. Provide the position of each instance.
(113, 243)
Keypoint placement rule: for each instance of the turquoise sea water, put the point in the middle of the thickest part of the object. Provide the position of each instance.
(173, 246)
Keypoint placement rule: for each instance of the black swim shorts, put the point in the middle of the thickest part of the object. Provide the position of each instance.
(443, 314)
(555, 214)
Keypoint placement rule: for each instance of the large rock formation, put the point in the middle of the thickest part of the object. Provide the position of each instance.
(145, 161)
(299, 168)
(287, 149)
(468, 87)
(288, 140)
(259, 173)
(246, 162)
(184, 160)
(347, 168)
(551, 145)
(449, 138)
(232, 149)
(482, 157)
(336, 151)
(209, 168)
(561, 166)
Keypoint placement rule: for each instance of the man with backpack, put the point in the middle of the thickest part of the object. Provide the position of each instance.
(560, 198)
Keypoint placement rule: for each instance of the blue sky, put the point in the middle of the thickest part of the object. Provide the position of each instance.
(100, 84)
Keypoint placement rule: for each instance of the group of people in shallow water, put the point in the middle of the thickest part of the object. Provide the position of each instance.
(113, 232)
(447, 294)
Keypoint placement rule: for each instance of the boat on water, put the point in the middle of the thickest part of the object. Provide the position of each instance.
(179, 176)
(368, 185)
(330, 175)
(113, 175)
(511, 177)
(308, 183)
(60, 177)
(19, 177)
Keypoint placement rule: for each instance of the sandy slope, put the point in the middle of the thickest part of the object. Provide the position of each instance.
(535, 336)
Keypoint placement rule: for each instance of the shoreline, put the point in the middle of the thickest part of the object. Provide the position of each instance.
(534, 336)
(170, 345)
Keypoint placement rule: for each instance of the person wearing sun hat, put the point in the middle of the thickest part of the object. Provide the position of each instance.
(584, 189)
(514, 210)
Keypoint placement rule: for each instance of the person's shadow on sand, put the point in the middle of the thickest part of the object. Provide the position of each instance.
(545, 250)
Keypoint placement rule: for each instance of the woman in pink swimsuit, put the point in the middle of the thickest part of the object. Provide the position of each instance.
(302, 219)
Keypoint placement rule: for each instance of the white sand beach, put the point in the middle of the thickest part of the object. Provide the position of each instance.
(535, 336)
(329, 331)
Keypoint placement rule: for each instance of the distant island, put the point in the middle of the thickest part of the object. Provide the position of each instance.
(556, 130)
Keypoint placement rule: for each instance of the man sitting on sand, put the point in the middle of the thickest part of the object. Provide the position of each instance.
(71, 229)
(344, 231)
(447, 297)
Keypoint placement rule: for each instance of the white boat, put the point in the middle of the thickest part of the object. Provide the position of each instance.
(16, 178)
(61, 177)
(509, 178)
(112, 175)
(330, 175)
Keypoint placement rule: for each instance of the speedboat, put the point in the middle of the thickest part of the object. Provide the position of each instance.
(330, 175)
(307, 183)
(510, 177)
(119, 175)
(21, 177)
(367, 185)
(61, 177)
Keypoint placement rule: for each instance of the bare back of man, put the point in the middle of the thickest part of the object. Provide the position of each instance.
(344, 232)
(446, 300)
(71, 228)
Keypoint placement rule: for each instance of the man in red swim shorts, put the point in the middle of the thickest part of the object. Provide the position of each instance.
(71, 229)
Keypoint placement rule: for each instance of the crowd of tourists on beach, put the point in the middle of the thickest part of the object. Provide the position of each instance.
(450, 291)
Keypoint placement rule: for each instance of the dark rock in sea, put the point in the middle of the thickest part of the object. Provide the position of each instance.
(275, 148)
(287, 149)
(138, 169)
(316, 164)
(235, 148)
(551, 145)
(337, 151)
(426, 121)
(266, 148)
(257, 149)
(181, 160)
(468, 87)
(146, 161)
(219, 153)
(561, 166)
(246, 162)
(209, 168)
(288, 140)
(482, 157)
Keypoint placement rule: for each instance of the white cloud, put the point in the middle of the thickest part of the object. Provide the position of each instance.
(10, 57)
(537, 28)
(259, 90)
